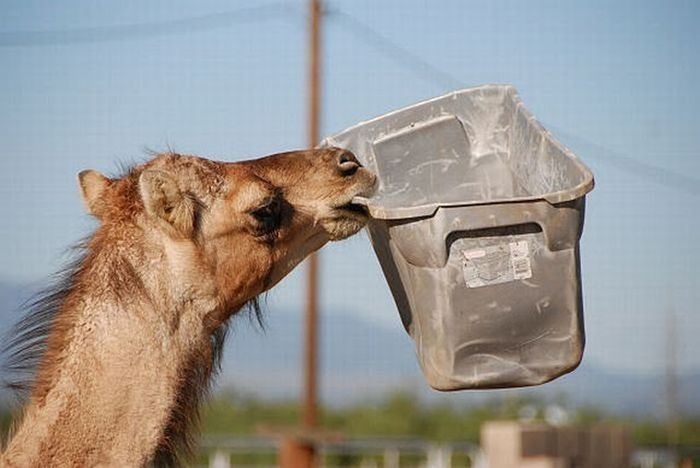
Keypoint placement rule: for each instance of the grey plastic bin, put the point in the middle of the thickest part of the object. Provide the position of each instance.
(476, 222)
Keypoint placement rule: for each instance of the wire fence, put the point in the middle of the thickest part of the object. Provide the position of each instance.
(228, 452)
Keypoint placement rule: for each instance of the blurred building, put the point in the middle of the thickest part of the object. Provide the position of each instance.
(507, 444)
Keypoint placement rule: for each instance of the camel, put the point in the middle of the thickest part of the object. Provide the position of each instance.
(125, 347)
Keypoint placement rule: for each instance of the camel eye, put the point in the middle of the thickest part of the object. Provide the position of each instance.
(267, 217)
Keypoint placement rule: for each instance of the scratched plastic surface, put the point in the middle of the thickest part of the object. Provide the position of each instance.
(476, 223)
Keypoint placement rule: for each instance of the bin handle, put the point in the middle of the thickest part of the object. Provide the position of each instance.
(561, 224)
(426, 244)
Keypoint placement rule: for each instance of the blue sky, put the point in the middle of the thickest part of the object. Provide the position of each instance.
(613, 79)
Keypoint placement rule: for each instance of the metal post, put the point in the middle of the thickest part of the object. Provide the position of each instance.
(392, 457)
(672, 426)
(220, 459)
(439, 456)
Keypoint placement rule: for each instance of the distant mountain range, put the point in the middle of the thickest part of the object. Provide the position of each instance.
(361, 361)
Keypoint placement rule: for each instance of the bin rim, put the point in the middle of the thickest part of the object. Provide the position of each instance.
(378, 211)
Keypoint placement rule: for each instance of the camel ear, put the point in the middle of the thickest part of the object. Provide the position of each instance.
(163, 199)
(92, 189)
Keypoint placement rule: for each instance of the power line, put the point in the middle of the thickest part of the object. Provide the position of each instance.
(395, 52)
(429, 72)
(144, 30)
(656, 174)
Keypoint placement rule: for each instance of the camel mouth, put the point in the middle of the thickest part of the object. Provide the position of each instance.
(354, 208)
(345, 220)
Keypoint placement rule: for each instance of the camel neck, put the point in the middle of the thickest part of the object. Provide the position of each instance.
(107, 390)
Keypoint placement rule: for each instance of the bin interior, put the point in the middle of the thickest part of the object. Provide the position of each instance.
(469, 147)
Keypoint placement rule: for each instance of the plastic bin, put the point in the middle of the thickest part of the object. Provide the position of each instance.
(476, 223)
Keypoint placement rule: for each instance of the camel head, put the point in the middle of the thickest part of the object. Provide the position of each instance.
(235, 228)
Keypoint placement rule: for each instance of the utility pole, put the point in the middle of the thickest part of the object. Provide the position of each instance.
(672, 427)
(310, 412)
(298, 450)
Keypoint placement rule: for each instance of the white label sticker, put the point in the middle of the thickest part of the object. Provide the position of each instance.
(496, 264)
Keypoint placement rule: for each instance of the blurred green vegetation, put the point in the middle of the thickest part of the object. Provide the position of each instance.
(402, 414)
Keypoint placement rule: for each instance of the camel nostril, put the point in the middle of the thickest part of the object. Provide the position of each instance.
(347, 163)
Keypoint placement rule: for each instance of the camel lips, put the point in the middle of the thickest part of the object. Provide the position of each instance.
(355, 208)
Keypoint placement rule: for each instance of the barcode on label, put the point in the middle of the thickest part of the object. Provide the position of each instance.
(521, 268)
(520, 260)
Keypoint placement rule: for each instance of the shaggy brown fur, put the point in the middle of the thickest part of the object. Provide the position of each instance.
(117, 355)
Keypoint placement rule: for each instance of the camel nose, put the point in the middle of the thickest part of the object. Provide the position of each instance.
(347, 163)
